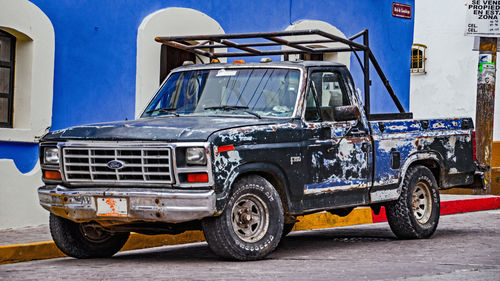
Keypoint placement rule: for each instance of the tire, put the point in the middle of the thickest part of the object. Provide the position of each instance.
(416, 213)
(84, 240)
(287, 228)
(251, 225)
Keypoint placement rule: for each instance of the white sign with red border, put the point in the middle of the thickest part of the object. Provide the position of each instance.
(482, 18)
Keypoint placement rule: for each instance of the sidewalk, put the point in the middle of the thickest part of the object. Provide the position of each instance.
(32, 243)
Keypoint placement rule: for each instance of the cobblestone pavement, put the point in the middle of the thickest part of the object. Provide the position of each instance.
(26, 234)
(465, 247)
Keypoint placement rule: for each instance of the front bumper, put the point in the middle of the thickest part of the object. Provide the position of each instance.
(154, 205)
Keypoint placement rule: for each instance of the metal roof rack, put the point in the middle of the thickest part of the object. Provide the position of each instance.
(210, 46)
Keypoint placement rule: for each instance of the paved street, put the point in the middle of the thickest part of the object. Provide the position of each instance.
(465, 247)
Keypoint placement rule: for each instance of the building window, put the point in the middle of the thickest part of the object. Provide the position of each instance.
(311, 57)
(418, 58)
(27, 106)
(341, 57)
(7, 61)
(171, 58)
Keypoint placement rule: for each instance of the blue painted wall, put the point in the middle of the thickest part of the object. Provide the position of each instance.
(390, 40)
(25, 155)
(95, 60)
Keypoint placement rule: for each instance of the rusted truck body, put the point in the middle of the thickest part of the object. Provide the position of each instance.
(239, 151)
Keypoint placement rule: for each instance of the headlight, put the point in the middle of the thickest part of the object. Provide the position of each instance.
(196, 156)
(51, 155)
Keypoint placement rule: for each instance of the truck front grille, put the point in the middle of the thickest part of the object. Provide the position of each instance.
(139, 165)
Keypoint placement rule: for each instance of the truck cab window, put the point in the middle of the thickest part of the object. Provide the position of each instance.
(331, 93)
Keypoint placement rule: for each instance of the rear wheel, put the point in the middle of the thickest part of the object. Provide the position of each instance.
(85, 240)
(251, 225)
(416, 213)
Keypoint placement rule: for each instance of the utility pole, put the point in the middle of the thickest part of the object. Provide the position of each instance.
(482, 20)
(485, 105)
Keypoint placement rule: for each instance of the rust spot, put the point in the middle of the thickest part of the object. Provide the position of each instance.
(356, 140)
(244, 130)
(438, 125)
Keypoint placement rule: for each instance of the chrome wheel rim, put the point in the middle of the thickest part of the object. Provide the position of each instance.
(422, 202)
(94, 233)
(250, 218)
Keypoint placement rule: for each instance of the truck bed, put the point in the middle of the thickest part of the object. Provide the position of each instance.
(445, 144)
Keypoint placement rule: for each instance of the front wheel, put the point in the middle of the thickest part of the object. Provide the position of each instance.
(85, 240)
(416, 213)
(251, 225)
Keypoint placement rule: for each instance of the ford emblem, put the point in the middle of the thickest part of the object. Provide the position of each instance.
(115, 164)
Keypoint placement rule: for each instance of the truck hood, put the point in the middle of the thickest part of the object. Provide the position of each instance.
(168, 128)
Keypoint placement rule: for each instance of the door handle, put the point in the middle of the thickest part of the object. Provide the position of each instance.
(357, 132)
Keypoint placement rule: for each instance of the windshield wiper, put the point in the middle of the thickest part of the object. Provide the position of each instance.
(227, 107)
(233, 107)
(164, 109)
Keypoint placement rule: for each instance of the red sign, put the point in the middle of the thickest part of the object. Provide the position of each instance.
(401, 10)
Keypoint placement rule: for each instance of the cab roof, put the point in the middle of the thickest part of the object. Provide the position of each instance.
(291, 64)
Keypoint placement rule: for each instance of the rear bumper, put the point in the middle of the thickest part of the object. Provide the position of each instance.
(479, 181)
(156, 205)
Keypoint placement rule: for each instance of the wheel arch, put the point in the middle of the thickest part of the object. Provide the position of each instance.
(431, 160)
(269, 171)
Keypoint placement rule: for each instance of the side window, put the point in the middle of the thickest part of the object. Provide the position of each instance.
(312, 113)
(331, 93)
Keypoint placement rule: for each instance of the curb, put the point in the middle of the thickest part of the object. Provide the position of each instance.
(455, 207)
(363, 215)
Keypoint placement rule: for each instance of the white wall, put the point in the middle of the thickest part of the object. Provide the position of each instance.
(449, 87)
(34, 70)
(34, 75)
(19, 198)
(164, 22)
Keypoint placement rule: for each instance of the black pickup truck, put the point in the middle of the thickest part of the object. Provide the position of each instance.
(239, 150)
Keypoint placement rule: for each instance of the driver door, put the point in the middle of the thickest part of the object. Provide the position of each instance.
(339, 151)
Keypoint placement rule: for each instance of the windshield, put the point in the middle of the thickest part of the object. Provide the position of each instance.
(257, 92)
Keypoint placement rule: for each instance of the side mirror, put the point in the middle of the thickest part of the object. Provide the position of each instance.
(346, 113)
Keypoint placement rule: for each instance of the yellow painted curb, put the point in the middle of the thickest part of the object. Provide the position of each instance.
(140, 241)
(48, 250)
(29, 251)
(327, 220)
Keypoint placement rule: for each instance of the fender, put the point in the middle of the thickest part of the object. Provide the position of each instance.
(264, 167)
(393, 194)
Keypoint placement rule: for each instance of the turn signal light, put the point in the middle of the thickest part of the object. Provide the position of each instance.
(52, 175)
(225, 148)
(239, 61)
(199, 177)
